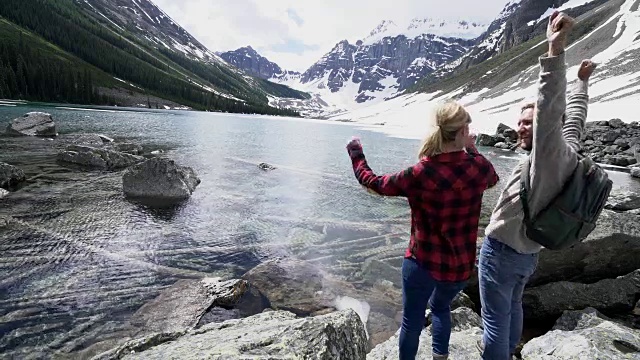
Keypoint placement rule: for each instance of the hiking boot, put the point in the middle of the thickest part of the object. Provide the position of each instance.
(440, 357)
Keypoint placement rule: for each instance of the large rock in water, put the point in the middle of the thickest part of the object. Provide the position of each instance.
(269, 335)
(10, 175)
(98, 158)
(623, 201)
(159, 179)
(466, 331)
(585, 335)
(291, 285)
(33, 124)
(609, 295)
(182, 306)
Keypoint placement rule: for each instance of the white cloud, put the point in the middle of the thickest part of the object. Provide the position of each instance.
(295, 34)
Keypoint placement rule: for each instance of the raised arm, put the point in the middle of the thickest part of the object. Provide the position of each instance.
(577, 105)
(398, 184)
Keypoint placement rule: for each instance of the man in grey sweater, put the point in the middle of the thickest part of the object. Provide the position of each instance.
(550, 129)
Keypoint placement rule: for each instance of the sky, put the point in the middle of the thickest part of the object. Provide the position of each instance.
(297, 33)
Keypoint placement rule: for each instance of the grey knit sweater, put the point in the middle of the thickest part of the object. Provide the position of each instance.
(553, 157)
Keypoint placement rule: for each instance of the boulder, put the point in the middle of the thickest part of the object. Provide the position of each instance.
(635, 172)
(610, 295)
(502, 145)
(182, 306)
(3, 193)
(611, 250)
(616, 123)
(269, 335)
(466, 330)
(33, 124)
(80, 139)
(97, 158)
(129, 148)
(161, 179)
(584, 334)
(502, 128)
(623, 201)
(486, 140)
(511, 135)
(10, 175)
(291, 285)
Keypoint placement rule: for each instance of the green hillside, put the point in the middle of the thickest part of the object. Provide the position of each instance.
(51, 50)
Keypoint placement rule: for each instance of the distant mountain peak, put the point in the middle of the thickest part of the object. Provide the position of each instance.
(463, 29)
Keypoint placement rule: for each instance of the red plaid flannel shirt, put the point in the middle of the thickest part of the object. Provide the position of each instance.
(445, 195)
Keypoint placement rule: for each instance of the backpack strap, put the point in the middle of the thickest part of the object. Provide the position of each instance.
(525, 185)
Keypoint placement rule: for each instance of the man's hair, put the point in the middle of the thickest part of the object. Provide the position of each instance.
(527, 105)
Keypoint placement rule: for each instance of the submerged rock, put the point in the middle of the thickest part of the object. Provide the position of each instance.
(291, 285)
(465, 332)
(160, 179)
(97, 158)
(33, 124)
(181, 306)
(609, 295)
(269, 335)
(585, 334)
(10, 175)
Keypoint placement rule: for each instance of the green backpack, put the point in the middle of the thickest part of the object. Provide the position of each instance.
(571, 216)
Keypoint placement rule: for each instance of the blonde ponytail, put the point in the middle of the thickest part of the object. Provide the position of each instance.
(449, 118)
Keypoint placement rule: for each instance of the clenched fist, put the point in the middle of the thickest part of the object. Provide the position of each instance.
(586, 69)
(560, 24)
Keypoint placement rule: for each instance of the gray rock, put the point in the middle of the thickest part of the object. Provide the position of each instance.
(623, 201)
(3, 193)
(97, 158)
(510, 134)
(129, 148)
(105, 139)
(33, 124)
(502, 128)
(159, 178)
(291, 285)
(486, 140)
(181, 306)
(269, 335)
(10, 175)
(93, 140)
(616, 123)
(466, 331)
(550, 300)
(635, 172)
(503, 146)
(585, 335)
(266, 167)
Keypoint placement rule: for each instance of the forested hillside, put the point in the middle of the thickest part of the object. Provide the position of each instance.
(51, 50)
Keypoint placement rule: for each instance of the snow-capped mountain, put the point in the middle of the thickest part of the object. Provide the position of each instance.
(247, 59)
(492, 91)
(518, 22)
(390, 59)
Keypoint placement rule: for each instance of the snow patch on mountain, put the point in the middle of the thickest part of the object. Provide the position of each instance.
(444, 28)
(614, 89)
(568, 5)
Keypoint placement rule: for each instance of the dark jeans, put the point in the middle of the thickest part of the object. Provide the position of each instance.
(419, 289)
(503, 274)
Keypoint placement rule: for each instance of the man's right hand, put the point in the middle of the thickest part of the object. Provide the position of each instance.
(560, 24)
(586, 69)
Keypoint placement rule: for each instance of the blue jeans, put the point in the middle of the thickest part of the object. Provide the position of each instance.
(419, 289)
(502, 274)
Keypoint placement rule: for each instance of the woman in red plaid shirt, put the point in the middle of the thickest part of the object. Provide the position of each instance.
(445, 189)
